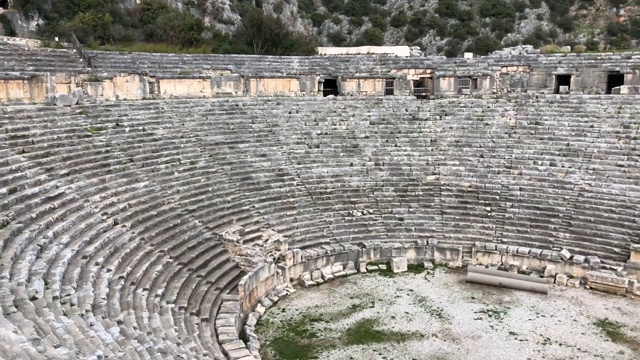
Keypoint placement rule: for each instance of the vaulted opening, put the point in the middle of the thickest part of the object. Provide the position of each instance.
(561, 81)
(330, 87)
(614, 79)
(4, 4)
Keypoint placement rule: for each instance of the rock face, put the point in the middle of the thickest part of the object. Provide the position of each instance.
(24, 26)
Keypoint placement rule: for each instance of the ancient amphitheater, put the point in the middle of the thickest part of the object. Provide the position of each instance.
(175, 193)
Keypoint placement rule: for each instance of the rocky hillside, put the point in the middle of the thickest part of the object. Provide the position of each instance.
(438, 26)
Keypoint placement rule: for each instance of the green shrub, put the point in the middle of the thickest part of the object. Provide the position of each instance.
(356, 21)
(334, 6)
(370, 36)
(378, 22)
(318, 19)
(483, 45)
(337, 38)
(399, 19)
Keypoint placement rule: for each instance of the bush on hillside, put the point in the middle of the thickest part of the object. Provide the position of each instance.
(371, 36)
(399, 19)
(262, 34)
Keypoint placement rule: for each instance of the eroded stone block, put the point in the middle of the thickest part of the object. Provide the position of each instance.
(550, 271)
(564, 254)
(573, 283)
(399, 264)
(561, 279)
(578, 259)
(362, 266)
(350, 269)
(326, 273)
(316, 277)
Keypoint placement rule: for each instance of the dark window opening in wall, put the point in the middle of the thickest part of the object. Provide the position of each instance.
(330, 87)
(388, 87)
(4, 4)
(614, 80)
(474, 83)
(562, 80)
(423, 87)
(464, 83)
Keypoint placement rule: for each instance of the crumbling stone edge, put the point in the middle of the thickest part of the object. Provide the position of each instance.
(268, 283)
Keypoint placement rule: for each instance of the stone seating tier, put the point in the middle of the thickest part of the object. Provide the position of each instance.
(25, 59)
(111, 213)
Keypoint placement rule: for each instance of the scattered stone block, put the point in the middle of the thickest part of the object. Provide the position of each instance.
(593, 261)
(266, 303)
(561, 279)
(573, 283)
(382, 267)
(66, 100)
(513, 266)
(428, 265)
(372, 268)
(550, 271)
(399, 265)
(578, 259)
(607, 282)
(565, 254)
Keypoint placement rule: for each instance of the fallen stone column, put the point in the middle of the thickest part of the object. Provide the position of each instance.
(506, 280)
(493, 272)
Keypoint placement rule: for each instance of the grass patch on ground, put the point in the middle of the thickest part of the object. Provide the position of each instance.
(364, 332)
(296, 340)
(424, 303)
(493, 313)
(302, 337)
(614, 332)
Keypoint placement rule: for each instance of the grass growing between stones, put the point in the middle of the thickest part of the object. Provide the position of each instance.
(614, 332)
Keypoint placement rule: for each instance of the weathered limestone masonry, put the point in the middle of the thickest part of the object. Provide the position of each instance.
(322, 264)
(30, 74)
(126, 226)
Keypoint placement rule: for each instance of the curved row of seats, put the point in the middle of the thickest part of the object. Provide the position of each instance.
(23, 59)
(199, 64)
(111, 214)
